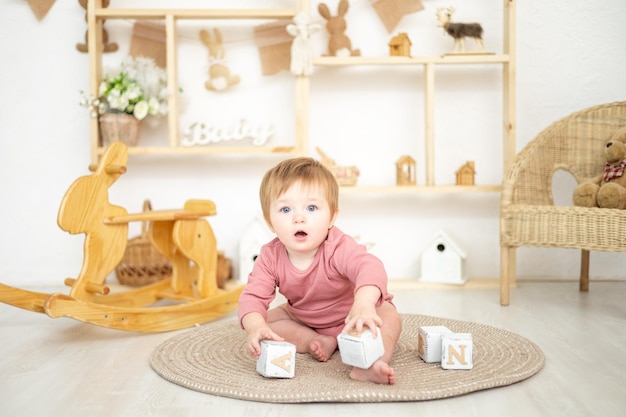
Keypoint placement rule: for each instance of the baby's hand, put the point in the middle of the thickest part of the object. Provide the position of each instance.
(257, 334)
(362, 315)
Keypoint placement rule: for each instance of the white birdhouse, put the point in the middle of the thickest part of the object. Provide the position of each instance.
(257, 234)
(443, 261)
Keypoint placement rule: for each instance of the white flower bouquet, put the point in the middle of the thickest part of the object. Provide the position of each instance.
(139, 88)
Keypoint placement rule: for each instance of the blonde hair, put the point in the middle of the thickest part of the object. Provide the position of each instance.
(306, 170)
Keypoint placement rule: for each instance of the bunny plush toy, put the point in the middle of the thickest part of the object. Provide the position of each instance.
(338, 43)
(220, 77)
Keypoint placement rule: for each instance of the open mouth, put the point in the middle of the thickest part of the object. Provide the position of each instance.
(300, 233)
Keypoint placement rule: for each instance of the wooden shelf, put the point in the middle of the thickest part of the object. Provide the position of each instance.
(194, 14)
(419, 189)
(418, 60)
(203, 150)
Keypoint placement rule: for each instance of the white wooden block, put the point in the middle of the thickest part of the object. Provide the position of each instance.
(456, 351)
(360, 350)
(429, 342)
(277, 360)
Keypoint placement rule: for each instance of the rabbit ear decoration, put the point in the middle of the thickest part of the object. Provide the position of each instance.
(324, 12)
(218, 36)
(342, 8)
(206, 38)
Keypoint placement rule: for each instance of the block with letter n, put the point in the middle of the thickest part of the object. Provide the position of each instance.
(456, 351)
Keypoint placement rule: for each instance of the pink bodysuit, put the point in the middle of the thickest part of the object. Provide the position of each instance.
(320, 296)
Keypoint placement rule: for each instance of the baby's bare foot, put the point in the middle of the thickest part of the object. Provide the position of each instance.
(379, 373)
(323, 347)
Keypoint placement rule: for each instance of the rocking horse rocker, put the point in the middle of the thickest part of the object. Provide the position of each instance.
(183, 236)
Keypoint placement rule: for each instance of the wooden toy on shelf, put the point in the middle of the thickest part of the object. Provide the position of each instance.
(400, 45)
(405, 171)
(182, 235)
(465, 174)
(345, 175)
(460, 31)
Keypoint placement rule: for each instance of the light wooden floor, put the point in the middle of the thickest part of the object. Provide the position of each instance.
(60, 367)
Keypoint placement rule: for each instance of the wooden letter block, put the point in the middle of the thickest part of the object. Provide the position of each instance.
(360, 349)
(277, 360)
(456, 351)
(429, 342)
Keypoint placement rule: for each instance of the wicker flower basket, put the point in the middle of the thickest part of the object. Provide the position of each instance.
(142, 263)
(119, 127)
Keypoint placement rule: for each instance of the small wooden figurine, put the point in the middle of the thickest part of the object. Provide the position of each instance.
(219, 74)
(405, 171)
(465, 174)
(338, 43)
(345, 175)
(460, 31)
(400, 45)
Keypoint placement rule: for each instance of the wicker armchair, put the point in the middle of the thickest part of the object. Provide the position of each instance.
(528, 216)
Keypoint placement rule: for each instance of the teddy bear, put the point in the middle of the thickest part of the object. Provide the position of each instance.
(607, 190)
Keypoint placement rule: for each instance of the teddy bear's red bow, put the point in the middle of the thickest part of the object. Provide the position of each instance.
(614, 170)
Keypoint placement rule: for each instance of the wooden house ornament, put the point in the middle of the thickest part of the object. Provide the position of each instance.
(465, 174)
(256, 235)
(400, 45)
(443, 261)
(405, 171)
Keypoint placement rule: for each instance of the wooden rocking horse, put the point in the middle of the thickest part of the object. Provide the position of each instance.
(191, 296)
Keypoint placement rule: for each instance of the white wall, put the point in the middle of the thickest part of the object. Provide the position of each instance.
(570, 56)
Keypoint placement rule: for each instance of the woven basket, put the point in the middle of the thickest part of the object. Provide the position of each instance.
(142, 263)
(119, 127)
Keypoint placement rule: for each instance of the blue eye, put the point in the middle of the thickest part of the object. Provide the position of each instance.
(312, 207)
(285, 210)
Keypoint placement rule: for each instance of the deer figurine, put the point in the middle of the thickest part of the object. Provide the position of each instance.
(459, 31)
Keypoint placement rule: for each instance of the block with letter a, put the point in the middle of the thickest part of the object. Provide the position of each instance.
(277, 360)
(456, 351)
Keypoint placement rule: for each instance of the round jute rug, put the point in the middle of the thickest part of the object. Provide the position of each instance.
(213, 359)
